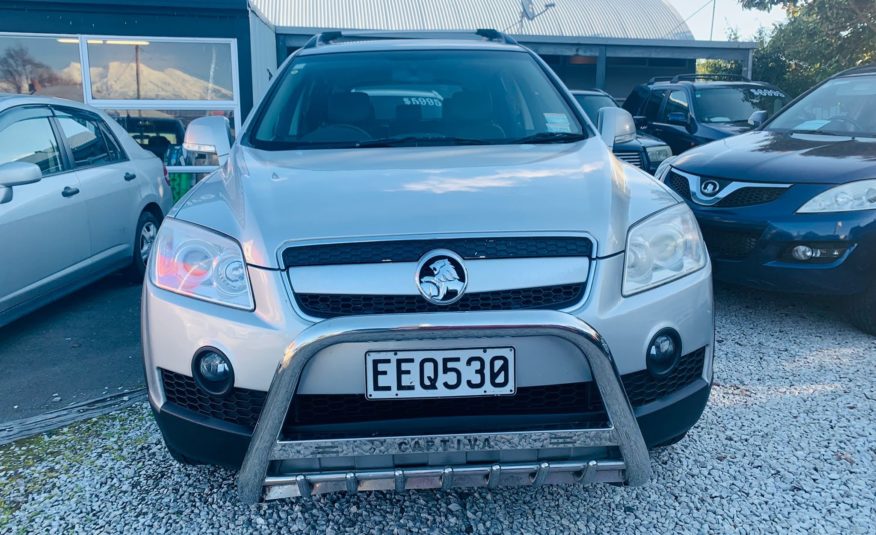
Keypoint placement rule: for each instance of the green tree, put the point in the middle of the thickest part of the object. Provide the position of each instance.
(820, 38)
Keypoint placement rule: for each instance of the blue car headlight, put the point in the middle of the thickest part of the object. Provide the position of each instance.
(846, 198)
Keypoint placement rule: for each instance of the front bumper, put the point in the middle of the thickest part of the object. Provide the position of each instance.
(750, 245)
(174, 327)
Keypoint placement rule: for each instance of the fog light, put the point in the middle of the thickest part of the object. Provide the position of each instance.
(826, 252)
(663, 353)
(802, 252)
(213, 372)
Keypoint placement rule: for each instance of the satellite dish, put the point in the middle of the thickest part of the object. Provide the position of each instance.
(528, 9)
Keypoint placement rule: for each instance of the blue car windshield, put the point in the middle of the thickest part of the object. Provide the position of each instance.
(414, 98)
(842, 106)
(735, 104)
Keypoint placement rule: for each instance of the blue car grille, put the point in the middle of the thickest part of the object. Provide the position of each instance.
(741, 197)
(730, 244)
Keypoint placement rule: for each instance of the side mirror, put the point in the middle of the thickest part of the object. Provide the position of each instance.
(757, 118)
(640, 120)
(17, 174)
(209, 135)
(679, 118)
(615, 125)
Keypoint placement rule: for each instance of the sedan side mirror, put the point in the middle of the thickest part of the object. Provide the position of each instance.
(615, 125)
(757, 118)
(17, 174)
(209, 135)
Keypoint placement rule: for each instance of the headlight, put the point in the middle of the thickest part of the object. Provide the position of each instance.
(658, 153)
(664, 167)
(193, 261)
(662, 248)
(846, 198)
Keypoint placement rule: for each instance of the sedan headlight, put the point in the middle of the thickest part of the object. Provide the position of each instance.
(193, 261)
(846, 198)
(662, 248)
(658, 153)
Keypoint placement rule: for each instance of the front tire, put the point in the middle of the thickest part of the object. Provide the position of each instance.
(144, 238)
(862, 311)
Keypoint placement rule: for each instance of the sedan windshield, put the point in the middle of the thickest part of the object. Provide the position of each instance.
(591, 104)
(842, 106)
(735, 104)
(414, 98)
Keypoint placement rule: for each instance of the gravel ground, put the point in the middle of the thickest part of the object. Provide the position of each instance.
(787, 444)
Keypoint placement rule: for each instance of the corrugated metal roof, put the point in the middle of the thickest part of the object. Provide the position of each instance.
(623, 19)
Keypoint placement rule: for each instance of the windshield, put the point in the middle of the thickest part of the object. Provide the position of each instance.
(843, 106)
(735, 104)
(591, 104)
(412, 98)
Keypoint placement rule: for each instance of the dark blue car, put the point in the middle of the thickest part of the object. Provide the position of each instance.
(791, 206)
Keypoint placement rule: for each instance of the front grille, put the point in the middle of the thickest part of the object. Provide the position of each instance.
(413, 250)
(347, 408)
(243, 406)
(679, 184)
(632, 158)
(546, 297)
(750, 196)
(747, 196)
(730, 244)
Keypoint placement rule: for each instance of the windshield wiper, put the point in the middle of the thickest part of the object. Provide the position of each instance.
(417, 140)
(550, 137)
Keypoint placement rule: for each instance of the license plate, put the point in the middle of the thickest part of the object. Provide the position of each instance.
(440, 373)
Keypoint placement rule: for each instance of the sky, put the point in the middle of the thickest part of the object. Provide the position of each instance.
(728, 14)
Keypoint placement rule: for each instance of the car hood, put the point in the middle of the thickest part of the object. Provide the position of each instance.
(269, 199)
(765, 156)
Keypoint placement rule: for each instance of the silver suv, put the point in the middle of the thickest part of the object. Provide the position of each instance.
(420, 266)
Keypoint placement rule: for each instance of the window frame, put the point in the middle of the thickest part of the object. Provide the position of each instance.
(101, 125)
(40, 111)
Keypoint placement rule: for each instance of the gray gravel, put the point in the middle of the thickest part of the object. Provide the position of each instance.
(787, 444)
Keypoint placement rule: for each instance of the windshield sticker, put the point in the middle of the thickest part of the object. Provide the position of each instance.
(557, 122)
(815, 124)
(767, 93)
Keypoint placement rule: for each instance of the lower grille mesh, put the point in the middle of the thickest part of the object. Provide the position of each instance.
(730, 244)
(243, 406)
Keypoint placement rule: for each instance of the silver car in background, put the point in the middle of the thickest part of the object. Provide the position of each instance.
(463, 288)
(79, 199)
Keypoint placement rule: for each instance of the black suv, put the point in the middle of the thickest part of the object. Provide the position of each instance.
(693, 109)
(642, 150)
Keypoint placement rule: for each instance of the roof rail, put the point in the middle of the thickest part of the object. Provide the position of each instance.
(717, 76)
(329, 37)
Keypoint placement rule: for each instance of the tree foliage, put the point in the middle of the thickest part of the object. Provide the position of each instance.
(820, 38)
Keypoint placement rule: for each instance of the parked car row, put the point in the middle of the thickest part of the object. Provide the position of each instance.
(791, 206)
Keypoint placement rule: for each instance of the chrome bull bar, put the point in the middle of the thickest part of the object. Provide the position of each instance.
(266, 444)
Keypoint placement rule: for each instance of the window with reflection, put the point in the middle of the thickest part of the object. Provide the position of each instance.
(31, 141)
(90, 143)
(141, 69)
(161, 132)
(46, 66)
